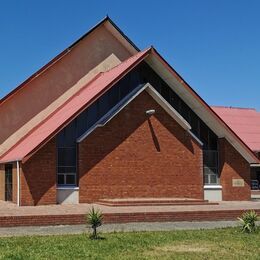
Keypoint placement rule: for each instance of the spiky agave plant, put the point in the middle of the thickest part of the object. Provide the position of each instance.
(95, 219)
(248, 220)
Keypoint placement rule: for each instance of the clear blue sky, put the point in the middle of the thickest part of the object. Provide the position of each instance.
(213, 44)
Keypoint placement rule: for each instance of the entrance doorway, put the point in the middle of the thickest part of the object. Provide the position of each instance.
(8, 182)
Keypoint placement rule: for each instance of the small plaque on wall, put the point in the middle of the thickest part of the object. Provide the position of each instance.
(238, 183)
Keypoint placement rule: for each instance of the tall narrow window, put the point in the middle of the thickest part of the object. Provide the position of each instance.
(211, 171)
(8, 182)
(67, 156)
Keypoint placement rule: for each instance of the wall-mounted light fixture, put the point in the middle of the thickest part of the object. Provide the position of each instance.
(150, 112)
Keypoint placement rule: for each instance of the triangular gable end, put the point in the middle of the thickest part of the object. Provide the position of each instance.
(108, 23)
(181, 88)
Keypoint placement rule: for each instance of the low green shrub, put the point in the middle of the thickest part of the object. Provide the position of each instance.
(248, 220)
(94, 219)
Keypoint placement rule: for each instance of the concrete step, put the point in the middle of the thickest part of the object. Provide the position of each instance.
(153, 202)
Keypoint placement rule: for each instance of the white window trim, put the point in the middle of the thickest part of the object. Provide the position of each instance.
(213, 187)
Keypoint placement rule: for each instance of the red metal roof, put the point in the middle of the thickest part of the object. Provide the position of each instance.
(72, 107)
(83, 98)
(245, 122)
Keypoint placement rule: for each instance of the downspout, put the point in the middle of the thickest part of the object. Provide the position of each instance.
(18, 182)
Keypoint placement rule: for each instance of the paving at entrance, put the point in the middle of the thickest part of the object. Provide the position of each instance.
(11, 215)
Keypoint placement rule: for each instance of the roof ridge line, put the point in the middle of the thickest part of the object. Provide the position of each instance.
(126, 60)
(67, 101)
(232, 107)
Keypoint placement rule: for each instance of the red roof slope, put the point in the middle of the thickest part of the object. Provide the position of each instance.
(72, 107)
(47, 129)
(245, 122)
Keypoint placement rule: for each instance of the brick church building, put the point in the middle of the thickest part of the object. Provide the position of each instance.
(106, 120)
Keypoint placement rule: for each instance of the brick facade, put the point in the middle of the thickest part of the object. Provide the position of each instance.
(38, 177)
(233, 166)
(133, 156)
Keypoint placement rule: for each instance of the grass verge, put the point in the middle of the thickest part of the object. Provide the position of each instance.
(227, 243)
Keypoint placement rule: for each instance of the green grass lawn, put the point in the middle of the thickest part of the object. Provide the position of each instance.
(227, 243)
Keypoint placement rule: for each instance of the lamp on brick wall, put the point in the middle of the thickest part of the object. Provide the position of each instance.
(150, 112)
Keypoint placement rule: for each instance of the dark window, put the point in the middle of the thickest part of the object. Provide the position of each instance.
(113, 96)
(143, 73)
(92, 115)
(8, 182)
(103, 105)
(211, 171)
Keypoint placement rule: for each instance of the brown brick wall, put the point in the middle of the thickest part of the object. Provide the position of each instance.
(38, 177)
(135, 157)
(233, 166)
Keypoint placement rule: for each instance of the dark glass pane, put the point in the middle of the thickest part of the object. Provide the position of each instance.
(165, 92)
(67, 136)
(8, 182)
(92, 114)
(194, 122)
(70, 179)
(82, 123)
(210, 158)
(67, 169)
(174, 100)
(67, 156)
(213, 141)
(186, 112)
(135, 81)
(103, 105)
(61, 179)
(204, 134)
(113, 96)
(124, 87)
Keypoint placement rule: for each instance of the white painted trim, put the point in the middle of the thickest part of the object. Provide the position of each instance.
(212, 187)
(112, 113)
(67, 188)
(195, 137)
(255, 165)
(207, 115)
(18, 182)
(167, 107)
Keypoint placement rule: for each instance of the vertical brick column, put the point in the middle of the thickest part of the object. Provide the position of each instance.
(233, 167)
(38, 177)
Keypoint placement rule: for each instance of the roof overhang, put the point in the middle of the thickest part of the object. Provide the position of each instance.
(198, 105)
(174, 80)
(255, 165)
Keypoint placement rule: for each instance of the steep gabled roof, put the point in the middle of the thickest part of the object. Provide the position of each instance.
(245, 122)
(70, 109)
(116, 31)
(88, 94)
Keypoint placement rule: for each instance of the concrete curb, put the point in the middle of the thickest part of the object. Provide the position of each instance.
(108, 228)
